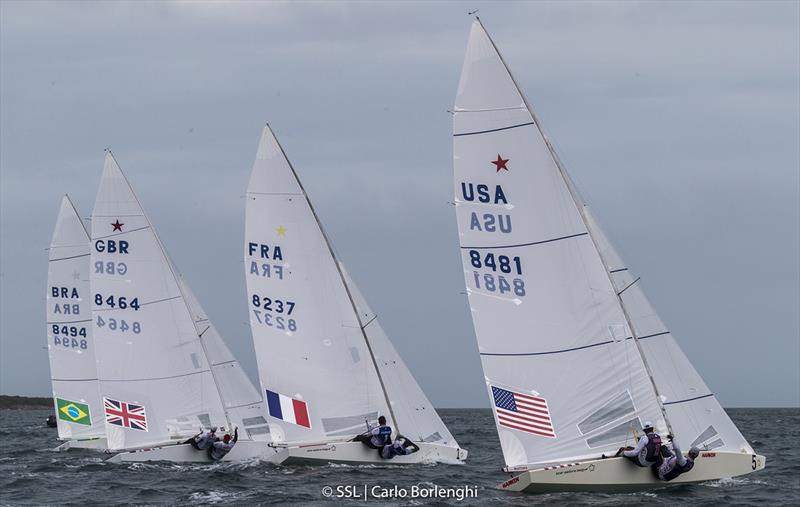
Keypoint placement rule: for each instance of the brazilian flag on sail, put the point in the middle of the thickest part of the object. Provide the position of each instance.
(73, 412)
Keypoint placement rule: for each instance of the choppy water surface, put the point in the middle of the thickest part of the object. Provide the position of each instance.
(32, 475)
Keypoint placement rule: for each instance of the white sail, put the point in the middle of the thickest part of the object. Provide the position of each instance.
(313, 360)
(243, 403)
(693, 410)
(313, 347)
(412, 409)
(70, 345)
(154, 374)
(566, 381)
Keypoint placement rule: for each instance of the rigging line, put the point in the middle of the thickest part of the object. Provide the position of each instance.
(72, 379)
(70, 257)
(581, 211)
(526, 244)
(629, 286)
(494, 130)
(344, 282)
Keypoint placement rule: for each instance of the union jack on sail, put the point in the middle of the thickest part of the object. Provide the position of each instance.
(523, 412)
(127, 415)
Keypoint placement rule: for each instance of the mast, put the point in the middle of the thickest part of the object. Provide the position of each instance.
(579, 204)
(361, 325)
(178, 281)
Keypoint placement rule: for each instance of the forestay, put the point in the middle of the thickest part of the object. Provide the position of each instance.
(565, 379)
(153, 371)
(73, 372)
(327, 370)
(693, 410)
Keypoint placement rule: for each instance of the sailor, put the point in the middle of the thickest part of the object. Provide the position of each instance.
(677, 464)
(220, 448)
(648, 449)
(400, 447)
(377, 437)
(204, 440)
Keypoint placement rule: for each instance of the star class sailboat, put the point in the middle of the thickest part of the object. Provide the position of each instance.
(326, 367)
(164, 372)
(574, 357)
(73, 372)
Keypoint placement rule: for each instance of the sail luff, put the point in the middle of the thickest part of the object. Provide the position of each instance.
(73, 368)
(178, 278)
(580, 205)
(329, 246)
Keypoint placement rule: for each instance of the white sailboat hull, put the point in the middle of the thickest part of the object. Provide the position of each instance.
(244, 450)
(356, 453)
(619, 474)
(94, 444)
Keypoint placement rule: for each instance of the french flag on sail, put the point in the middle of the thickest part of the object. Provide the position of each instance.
(288, 409)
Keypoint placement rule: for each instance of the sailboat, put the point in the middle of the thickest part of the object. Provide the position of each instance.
(574, 357)
(327, 369)
(164, 373)
(70, 346)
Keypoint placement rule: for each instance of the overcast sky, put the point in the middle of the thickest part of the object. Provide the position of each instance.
(680, 122)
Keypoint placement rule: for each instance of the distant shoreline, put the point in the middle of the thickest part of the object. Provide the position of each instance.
(24, 402)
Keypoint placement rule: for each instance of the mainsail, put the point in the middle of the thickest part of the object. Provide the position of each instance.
(563, 371)
(73, 372)
(325, 365)
(158, 379)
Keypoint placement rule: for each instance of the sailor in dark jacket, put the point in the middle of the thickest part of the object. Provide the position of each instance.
(677, 464)
(647, 450)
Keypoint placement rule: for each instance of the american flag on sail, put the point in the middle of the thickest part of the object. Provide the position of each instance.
(523, 412)
(127, 415)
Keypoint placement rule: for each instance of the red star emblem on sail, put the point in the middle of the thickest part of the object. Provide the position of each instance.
(117, 226)
(500, 163)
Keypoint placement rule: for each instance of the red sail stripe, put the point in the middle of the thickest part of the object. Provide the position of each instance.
(300, 413)
(527, 430)
(529, 397)
(537, 410)
(522, 421)
(525, 417)
(533, 411)
(530, 403)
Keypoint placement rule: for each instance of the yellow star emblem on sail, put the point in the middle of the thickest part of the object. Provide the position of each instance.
(281, 230)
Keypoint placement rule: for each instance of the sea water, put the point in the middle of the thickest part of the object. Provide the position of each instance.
(30, 474)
